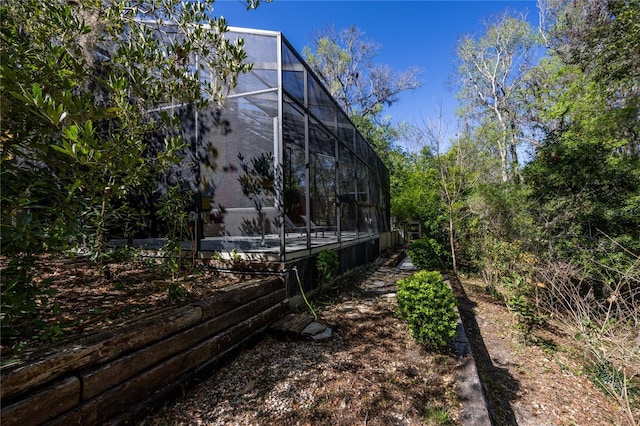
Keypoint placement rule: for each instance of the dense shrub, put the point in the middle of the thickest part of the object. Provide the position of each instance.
(427, 304)
(83, 139)
(428, 254)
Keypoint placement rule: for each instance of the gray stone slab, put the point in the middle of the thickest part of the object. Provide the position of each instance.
(406, 265)
(324, 335)
(313, 328)
(376, 284)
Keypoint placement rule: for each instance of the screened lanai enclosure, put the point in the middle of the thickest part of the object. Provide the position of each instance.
(280, 172)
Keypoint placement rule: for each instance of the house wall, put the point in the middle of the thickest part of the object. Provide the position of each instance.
(349, 258)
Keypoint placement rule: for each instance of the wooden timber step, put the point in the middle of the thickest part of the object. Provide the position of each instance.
(292, 323)
(299, 325)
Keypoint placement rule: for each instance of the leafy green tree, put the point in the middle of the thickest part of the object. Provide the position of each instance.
(601, 35)
(490, 72)
(585, 188)
(85, 93)
(585, 176)
(414, 193)
(344, 62)
(87, 88)
(458, 170)
(382, 135)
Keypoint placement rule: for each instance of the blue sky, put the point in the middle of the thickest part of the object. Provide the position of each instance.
(420, 33)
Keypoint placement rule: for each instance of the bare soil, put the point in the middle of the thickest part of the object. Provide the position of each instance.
(369, 372)
(530, 385)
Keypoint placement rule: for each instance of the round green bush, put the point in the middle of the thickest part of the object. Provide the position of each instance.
(427, 304)
(428, 254)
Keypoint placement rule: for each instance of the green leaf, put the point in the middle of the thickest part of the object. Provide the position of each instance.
(37, 93)
(71, 132)
(21, 97)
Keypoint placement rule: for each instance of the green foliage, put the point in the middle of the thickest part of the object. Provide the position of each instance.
(438, 416)
(414, 192)
(381, 135)
(173, 209)
(603, 37)
(612, 381)
(304, 296)
(428, 254)
(508, 273)
(417, 199)
(327, 265)
(458, 169)
(176, 291)
(501, 211)
(490, 70)
(523, 308)
(585, 176)
(84, 84)
(500, 259)
(573, 221)
(585, 187)
(494, 213)
(427, 304)
(18, 298)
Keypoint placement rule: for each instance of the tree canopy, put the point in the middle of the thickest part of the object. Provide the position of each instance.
(344, 62)
(85, 124)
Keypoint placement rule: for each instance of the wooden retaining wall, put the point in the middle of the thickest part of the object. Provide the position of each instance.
(117, 376)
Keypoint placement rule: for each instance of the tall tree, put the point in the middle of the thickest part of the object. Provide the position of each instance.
(85, 86)
(457, 172)
(414, 192)
(344, 61)
(601, 39)
(584, 176)
(490, 71)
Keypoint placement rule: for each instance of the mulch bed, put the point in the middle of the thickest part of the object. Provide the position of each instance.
(81, 299)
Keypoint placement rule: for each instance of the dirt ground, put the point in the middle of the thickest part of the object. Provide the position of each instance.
(82, 300)
(535, 385)
(369, 372)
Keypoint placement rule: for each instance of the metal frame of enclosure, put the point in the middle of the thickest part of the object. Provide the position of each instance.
(281, 172)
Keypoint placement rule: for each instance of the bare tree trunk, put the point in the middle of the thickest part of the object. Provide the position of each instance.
(452, 244)
(502, 146)
(515, 165)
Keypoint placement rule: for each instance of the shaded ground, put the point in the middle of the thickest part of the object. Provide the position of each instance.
(81, 299)
(369, 372)
(529, 385)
